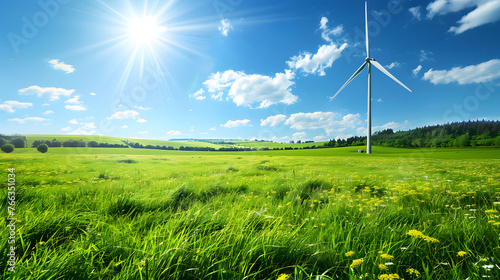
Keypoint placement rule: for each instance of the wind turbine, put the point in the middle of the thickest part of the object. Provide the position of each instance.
(370, 61)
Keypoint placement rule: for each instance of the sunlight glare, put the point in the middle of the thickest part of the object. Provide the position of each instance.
(145, 30)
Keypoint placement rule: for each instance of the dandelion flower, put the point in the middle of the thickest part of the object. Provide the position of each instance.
(350, 253)
(461, 254)
(382, 266)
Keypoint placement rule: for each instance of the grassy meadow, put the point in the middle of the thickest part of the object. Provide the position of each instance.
(103, 213)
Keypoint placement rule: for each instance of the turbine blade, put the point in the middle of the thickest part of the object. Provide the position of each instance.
(366, 30)
(350, 79)
(381, 68)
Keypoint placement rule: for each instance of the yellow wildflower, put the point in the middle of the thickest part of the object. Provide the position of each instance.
(388, 276)
(350, 253)
(382, 266)
(415, 233)
(387, 256)
(491, 212)
(413, 271)
(356, 263)
(283, 276)
(430, 239)
(461, 253)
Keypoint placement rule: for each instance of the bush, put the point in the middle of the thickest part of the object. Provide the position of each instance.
(42, 148)
(8, 148)
(18, 142)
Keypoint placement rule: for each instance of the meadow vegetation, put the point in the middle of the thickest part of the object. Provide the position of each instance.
(102, 213)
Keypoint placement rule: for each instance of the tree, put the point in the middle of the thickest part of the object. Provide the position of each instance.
(55, 143)
(18, 142)
(42, 148)
(8, 148)
(2, 142)
(92, 144)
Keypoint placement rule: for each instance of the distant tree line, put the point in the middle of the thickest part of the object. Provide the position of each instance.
(76, 143)
(458, 134)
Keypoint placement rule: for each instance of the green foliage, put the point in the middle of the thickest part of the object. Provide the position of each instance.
(8, 148)
(42, 148)
(18, 142)
(2, 141)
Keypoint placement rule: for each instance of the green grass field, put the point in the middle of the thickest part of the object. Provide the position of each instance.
(103, 213)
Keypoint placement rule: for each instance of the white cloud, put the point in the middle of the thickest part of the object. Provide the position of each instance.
(327, 32)
(28, 119)
(213, 128)
(416, 70)
(393, 125)
(75, 107)
(61, 66)
(143, 108)
(484, 12)
(224, 26)
(236, 123)
(273, 120)
(74, 100)
(198, 95)
(141, 120)
(10, 106)
(73, 121)
(415, 11)
(317, 63)
(246, 90)
(51, 92)
(380, 100)
(88, 126)
(251, 89)
(48, 112)
(143, 132)
(68, 128)
(124, 126)
(124, 115)
(82, 132)
(314, 120)
(93, 94)
(45, 104)
(220, 81)
(174, 132)
(299, 135)
(393, 64)
(322, 120)
(425, 55)
(473, 74)
(217, 96)
(319, 138)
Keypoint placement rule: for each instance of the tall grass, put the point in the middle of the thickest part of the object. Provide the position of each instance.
(93, 216)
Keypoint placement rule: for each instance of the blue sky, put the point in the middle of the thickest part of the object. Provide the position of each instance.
(244, 69)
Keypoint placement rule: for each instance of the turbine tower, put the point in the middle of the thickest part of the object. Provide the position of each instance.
(370, 61)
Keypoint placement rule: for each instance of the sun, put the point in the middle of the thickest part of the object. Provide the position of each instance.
(145, 30)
